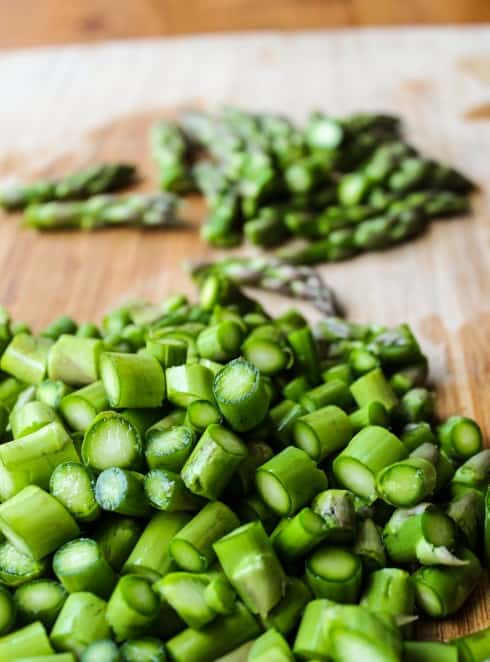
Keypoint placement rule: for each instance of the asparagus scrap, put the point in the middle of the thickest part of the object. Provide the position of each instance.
(76, 186)
(346, 185)
(299, 282)
(146, 210)
(201, 482)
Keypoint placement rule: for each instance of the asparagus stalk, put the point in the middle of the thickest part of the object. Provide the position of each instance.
(144, 210)
(170, 151)
(271, 274)
(81, 184)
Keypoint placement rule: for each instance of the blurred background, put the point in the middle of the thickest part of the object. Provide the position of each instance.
(42, 22)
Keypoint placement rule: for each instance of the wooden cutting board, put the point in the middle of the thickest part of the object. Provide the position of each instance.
(62, 108)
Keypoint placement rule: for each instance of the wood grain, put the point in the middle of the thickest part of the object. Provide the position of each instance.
(67, 107)
(43, 22)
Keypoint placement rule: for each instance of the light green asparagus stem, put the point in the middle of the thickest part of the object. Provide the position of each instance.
(81, 184)
(145, 210)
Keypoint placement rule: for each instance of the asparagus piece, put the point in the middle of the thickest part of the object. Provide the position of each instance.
(39, 600)
(104, 650)
(80, 566)
(407, 483)
(473, 647)
(334, 573)
(295, 537)
(81, 184)
(132, 608)
(116, 537)
(73, 485)
(145, 210)
(322, 432)
(441, 590)
(271, 645)
(29, 640)
(218, 638)
(369, 546)
(214, 459)
(429, 651)
(474, 474)
(7, 611)
(81, 621)
(369, 451)
(336, 507)
(460, 437)
(80, 407)
(121, 491)
(286, 614)
(36, 523)
(422, 534)
(467, 512)
(30, 418)
(273, 275)
(17, 568)
(390, 590)
(170, 151)
(192, 547)
(146, 649)
(311, 639)
(150, 554)
(132, 380)
(250, 564)
(289, 481)
(241, 395)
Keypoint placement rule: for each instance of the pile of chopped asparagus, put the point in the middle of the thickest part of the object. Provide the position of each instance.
(342, 185)
(205, 482)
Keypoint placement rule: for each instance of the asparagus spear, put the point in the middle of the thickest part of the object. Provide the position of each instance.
(145, 210)
(273, 275)
(78, 185)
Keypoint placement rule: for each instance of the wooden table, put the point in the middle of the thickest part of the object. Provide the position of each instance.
(45, 22)
(77, 105)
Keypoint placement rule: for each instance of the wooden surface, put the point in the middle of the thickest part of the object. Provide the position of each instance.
(44, 22)
(74, 106)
